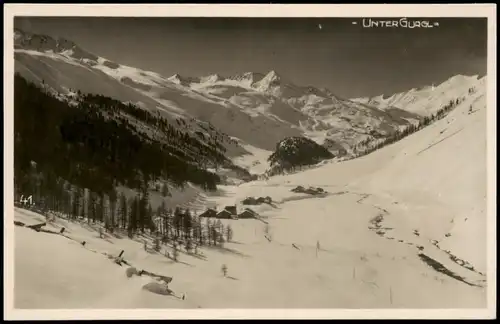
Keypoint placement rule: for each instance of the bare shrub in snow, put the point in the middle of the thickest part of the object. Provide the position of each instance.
(131, 272)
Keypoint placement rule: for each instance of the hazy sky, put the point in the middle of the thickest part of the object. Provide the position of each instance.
(348, 59)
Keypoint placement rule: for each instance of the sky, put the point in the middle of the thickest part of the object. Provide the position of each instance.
(350, 60)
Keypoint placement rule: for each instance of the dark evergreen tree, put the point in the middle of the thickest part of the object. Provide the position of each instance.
(152, 226)
(123, 210)
(77, 196)
(175, 252)
(113, 196)
(187, 224)
(164, 191)
(189, 245)
(134, 208)
(92, 207)
(177, 219)
(229, 233)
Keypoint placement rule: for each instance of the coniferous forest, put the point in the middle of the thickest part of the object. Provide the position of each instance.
(368, 146)
(70, 155)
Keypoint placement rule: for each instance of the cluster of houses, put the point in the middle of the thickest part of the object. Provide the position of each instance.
(229, 212)
(310, 190)
(257, 201)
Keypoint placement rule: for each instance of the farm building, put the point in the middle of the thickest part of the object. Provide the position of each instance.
(261, 200)
(231, 210)
(208, 213)
(225, 214)
(257, 201)
(247, 213)
(249, 201)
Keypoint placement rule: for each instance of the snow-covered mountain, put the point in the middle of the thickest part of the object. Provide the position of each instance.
(258, 109)
(403, 227)
(427, 100)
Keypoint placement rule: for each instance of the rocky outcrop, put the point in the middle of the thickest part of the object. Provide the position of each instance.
(294, 152)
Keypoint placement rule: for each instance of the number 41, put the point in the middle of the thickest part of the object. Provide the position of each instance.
(26, 200)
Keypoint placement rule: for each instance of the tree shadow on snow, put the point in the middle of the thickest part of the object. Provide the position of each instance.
(198, 256)
(234, 242)
(89, 227)
(226, 250)
(116, 235)
(170, 261)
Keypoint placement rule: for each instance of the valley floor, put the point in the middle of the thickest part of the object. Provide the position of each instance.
(383, 230)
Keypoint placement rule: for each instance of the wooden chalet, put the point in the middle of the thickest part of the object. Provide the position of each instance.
(209, 213)
(247, 213)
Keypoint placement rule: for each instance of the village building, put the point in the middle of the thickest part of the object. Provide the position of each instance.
(225, 214)
(231, 210)
(247, 213)
(209, 213)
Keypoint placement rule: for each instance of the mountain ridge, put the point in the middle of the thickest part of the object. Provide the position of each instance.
(258, 109)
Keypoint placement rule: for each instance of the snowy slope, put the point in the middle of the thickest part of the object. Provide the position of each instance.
(410, 185)
(438, 172)
(426, 100)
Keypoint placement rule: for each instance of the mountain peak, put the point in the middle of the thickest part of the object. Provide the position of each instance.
(248, 77)
(271, 80)
(272, 76)
(179, 79)
(174, 77)
(44, 43)
(212, 78)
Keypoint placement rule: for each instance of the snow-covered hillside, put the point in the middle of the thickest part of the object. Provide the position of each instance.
(427, 100)
(383, 228)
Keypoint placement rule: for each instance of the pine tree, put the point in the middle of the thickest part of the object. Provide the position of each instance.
(157, 244)
(214, 234)
(152, 226)
(208, 228)
(201, 237)
(167, 220)
(175, 252)
(224, 270)
(164, 191)
(189, 245)
(143, 208)
(229, 233)
(112, 206)
(161, 214)
(103, 214)
(132, 225)
(220, 237)
(92, 208)
(77, 196)
(123, 211)
(178, 215)
(187, 223)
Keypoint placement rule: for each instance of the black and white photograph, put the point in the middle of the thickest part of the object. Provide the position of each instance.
(213, 160)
